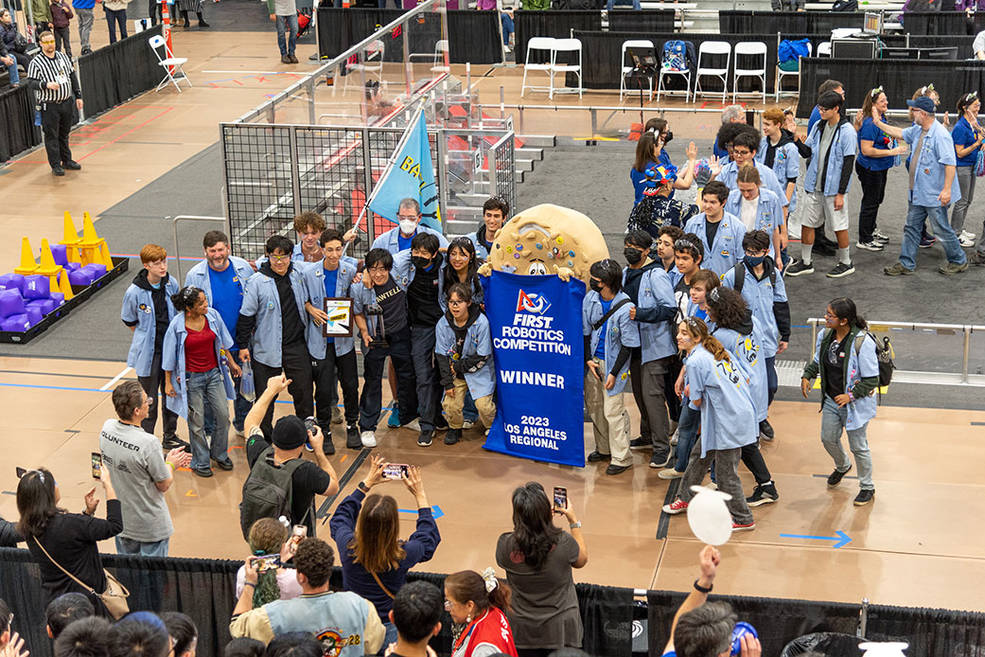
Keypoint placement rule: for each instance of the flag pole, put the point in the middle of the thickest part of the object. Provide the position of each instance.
(386, 170)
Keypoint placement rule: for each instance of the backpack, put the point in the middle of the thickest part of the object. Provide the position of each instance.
(740, 276)
(268, 491)
(678, 55)
(844, 5)
(884, 354)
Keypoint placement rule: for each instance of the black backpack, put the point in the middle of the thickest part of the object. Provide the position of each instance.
(884, 354)
(740, 276)
(268, 491)
(844, 5)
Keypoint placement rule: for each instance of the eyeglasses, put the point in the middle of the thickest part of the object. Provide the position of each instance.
(456, 302)
(411, 217)
(279, 258)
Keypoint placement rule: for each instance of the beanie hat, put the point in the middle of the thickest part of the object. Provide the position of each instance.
(289, 432)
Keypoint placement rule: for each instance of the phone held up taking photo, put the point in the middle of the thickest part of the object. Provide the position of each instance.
(396, 471)
(560, 498)
(97, 464)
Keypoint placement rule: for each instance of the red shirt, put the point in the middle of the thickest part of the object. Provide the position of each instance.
(490, 629)
(200, 350)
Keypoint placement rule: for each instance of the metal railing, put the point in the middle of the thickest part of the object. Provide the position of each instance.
(177, 245)
(938, 378)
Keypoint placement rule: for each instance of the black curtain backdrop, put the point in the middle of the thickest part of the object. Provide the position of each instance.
(946, 23)
(17, 129)
(930, 632)
(116, 73)
(943, 23)
(554, 23)
(777, 621)
(900, 78)
(473, 36)
(644, 20)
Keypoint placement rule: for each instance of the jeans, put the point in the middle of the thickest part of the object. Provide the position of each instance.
(426, 375)
(873, 184)
(130, 546)
(114, 16)
(372, 397)
(153, 385)
(966, 181)
(84, 17)
(611, 4)
(207, 389)
(771, 381)
(833, 418)
(389, 637)
(942, 231)
(285, 41)
(240, 406)
(15, 76)
(687, 434)
(328, 372)
(508, 27)
(726, 463)
(296, 364)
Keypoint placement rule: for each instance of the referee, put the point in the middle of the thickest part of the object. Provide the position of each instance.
(52, 75)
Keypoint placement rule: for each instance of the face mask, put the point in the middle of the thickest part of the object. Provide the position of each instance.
(668, 137)
(595, 285)
(407, 226)
(420, 261)
(754, 261)
(632, 256)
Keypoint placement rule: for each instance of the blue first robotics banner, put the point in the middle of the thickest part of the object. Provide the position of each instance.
(536, 329)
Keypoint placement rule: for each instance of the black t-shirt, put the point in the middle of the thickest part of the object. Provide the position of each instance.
(711, 229)
(422, 297)
(834, 369)
(682, 295)
(393, 301)
(159, 296)
(292, 328)
(307, 481)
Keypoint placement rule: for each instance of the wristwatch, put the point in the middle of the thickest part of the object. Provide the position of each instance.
(575, 525)
(363, 487)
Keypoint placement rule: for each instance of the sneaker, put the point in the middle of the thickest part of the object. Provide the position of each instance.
(226, 464)
(174, 442)
(640, 443)
(614, 469)
(368, 439)
(879, 236)
(425, 438)
(394, 420)
(337, 416)
(965, 242)
(72, 165)
(841, 270)
(978, 259)
(864, 497)
(202, 23)
(968, 235)
(675, 507)
(313, 57)
(766, 431)
(711, 485)
(798, 268)
(736, 527)
(57, 171)
(352, 437)
(467, 424)
(870, 246)
(294, 59)
(835, 477)
(452, 436)
(670, 473)
(328, 447)
(927, 243)
(660, 459)
(951, 268)
(597, 456)
(507, 49)
(205, 473)
(765, 494)
(897, 270)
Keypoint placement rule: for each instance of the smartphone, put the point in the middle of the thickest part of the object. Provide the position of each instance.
(20, 471)
(298, 534)
(97, 464)
(560, 498)
(266, 562)
(396, 471)
(310, 423)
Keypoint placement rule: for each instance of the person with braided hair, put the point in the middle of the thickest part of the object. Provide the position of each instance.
(269, 536)
(718, 389)
(480, 602)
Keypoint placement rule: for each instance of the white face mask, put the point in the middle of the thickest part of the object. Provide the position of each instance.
(407, 226)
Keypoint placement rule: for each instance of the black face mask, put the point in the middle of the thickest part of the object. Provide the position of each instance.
(595, 285)
(668, 137)
(420, 261)
(633, 256)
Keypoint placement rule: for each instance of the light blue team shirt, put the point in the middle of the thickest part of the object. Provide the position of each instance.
(620, 331)
(746, 352)
(138, 306)
(656, 338)
(727, 417)
(786, 165)
(936, 153)
(478, 342)
(730, 174)
(760, 297)
(843, 144)
(394, 242)
(173, 358)
(727, 249)
(862, 364)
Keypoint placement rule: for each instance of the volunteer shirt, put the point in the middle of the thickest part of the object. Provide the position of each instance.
(136, 463)
(227, 296)
(963, 135)
(331, 281)
(880, 141)
(600, 349)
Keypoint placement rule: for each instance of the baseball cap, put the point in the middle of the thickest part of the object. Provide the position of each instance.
(289, 432)
(925, 103)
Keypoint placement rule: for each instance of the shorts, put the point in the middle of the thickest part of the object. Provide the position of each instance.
(817, 208)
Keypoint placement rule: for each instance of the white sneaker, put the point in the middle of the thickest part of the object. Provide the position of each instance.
(965, 242)
(670, 473)
(967, 235)
(368, 438)
(467, 424)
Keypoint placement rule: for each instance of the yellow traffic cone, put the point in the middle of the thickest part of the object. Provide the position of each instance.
(27, 266)
(64, 286)
(92, 246)
(70, 239)
(48, 267)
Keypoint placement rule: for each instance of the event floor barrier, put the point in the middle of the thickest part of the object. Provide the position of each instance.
(900, 78)
(940, 23)
(109, 77)
(204, 589)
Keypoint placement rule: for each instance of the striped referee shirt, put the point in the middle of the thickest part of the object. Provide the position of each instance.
(44, 69)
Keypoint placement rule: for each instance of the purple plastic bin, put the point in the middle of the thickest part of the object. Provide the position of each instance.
(72, 266)
(11, 303)
(60, 253)
(34, 314)
(58, 298)
(17, 323)
(36, 287)
(80, 277)
(97, 270)
(45, 305)
(12, 282)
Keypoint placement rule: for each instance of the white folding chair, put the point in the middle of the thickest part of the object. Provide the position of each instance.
(780, 74)
(749, 49)
(684, 73)
(371, 64)
(172, 65)
(712, 49)
(626, 45)
(824, 49)
(565, 46)
(544, 45)
(440, 48)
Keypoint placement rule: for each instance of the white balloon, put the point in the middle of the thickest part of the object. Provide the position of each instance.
(709, 517)
(884, 649)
